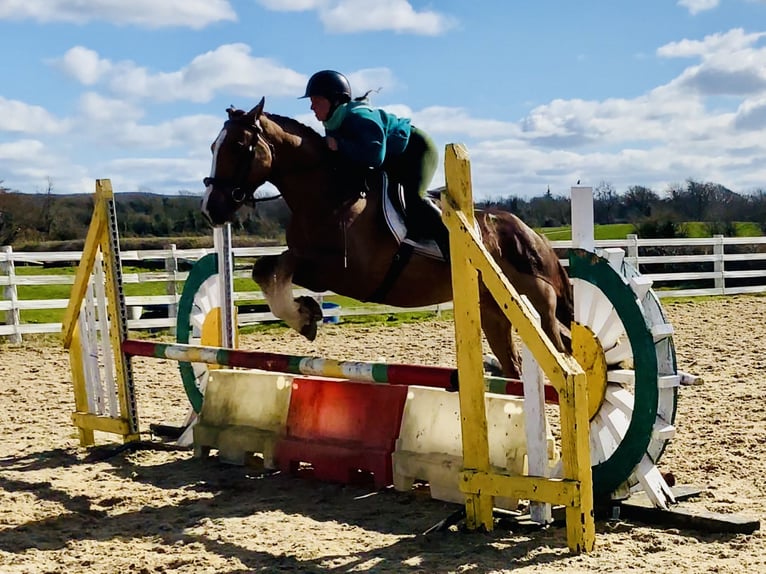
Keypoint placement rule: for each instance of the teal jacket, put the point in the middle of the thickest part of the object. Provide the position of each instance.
(367, 136)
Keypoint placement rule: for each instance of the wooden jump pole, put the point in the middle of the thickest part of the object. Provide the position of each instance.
(394, 374)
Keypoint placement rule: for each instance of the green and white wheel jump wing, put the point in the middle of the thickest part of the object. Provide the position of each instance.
(200, 298)
(634, 383)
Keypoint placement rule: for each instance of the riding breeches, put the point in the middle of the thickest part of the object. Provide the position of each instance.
(415, 167)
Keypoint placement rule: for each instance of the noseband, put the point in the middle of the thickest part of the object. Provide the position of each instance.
(238, 187)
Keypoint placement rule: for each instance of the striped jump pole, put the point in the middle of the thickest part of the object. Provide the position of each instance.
(394, 374)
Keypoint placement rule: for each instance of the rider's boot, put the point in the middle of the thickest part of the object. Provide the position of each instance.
(424, 220)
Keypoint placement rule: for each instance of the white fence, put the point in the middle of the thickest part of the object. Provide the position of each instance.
(714, 265)
(149, 311)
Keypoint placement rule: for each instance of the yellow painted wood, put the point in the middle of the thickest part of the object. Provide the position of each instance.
(99, 238)
(575, 458)
(85, 267)
(465, 285)
(555, 491)
(589, 353)
(117, 319)
(554, 364)
(100, 423)
(469, 261)
(78, 382)
(211, 331)
(211, 334)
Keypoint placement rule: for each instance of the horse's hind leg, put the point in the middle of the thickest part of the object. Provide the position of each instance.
(543, 298)
(274, 275)
(499, 333)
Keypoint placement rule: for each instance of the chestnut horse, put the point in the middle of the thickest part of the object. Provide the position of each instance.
(349, 248)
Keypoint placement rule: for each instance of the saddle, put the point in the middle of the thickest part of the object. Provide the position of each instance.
(419, 226)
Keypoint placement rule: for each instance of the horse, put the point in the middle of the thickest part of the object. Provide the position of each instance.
(348, 247)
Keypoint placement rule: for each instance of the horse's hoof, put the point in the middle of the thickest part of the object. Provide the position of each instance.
(310, 308)
(309, 331)
(311, 312)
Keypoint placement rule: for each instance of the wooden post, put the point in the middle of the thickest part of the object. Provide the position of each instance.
(534, 423)
(12, 315)
(224, 250)
(117, 310)
(171, 288)
(632, 249)
(582, 218)
(718, 265)
(465, 286)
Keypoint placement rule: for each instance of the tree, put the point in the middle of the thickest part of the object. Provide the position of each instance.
(549, 211)
(46, 211)
(605, 203)
(639, 201)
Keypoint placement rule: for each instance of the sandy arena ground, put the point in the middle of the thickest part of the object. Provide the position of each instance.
(64, 509)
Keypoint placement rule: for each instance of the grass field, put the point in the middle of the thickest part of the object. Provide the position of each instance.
(622, 230)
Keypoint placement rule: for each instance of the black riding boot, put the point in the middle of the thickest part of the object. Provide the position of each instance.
(424, 221)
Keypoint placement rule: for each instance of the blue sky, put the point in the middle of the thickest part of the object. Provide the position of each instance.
(542, 93)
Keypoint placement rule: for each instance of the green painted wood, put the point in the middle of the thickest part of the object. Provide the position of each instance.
(611, 473)
(204, 268)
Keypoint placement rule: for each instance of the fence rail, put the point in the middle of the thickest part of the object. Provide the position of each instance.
(700, 266)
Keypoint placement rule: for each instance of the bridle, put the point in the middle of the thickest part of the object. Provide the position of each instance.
(239, 189)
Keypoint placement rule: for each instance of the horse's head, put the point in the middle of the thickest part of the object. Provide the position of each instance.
(242, 160)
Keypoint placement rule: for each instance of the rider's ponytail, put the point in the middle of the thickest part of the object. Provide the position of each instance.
(365, 96)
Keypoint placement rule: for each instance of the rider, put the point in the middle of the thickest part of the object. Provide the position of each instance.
(367, 137)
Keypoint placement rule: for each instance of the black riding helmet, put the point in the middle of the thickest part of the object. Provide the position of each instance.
(329, 84)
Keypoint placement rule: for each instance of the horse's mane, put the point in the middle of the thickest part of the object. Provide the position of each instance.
(293, 126)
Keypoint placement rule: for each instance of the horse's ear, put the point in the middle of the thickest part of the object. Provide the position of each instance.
(257, 110)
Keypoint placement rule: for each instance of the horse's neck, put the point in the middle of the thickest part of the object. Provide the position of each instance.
(300, 170)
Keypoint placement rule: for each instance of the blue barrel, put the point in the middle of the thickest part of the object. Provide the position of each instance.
(330, 307)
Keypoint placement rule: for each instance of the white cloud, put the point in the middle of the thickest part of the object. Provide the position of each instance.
(729, 42)
(84, 65)
(159, 175)
(194, 14)
(21, 117)
(94, 107)
(29, 164)
(292, 5)
(731, 63)
(371, 15)
(751, 115)
(697, 6)
(193, 133)
(458, 121)
(110, 123)
(24, 149)
(229, 69)
(350, 16)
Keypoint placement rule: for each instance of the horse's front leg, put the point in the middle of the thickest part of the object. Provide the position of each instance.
(274, 275)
